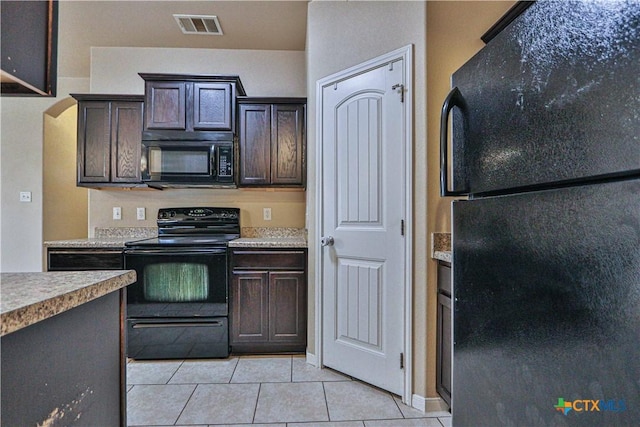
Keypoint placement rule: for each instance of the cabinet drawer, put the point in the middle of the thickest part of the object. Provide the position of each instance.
(84, 260)
(268, 259)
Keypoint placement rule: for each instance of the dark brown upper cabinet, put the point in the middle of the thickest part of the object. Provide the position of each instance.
(271, 133)
(109, 140)
(190, 103)
(29, 46)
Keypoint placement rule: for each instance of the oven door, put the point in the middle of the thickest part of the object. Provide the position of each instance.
(180, 283)
(177, 308)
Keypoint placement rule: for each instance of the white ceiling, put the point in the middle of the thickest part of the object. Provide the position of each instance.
(265, 24)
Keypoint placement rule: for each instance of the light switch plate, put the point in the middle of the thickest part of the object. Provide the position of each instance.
(141, 214)
(266, 214)
(117, 213)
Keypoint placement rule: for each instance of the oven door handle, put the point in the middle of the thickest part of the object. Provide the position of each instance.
(175, 252)
(215, 323)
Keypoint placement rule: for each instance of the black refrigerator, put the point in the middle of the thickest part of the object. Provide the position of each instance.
(545, 145)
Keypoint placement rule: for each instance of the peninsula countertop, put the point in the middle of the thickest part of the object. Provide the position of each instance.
(28, 298)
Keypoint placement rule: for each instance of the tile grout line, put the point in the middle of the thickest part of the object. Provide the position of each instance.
(326, 403)
(175, 372)
(397, 406)
(234, 370)
(255, 408)
(186, 403)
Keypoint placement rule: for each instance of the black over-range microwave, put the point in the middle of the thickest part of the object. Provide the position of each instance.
(188, 163)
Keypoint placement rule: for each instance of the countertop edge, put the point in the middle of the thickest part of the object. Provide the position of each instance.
(442, 256)
(21, 317)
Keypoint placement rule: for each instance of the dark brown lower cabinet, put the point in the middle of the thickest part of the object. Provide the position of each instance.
(71, 259)
(444, 335)
(268, 301)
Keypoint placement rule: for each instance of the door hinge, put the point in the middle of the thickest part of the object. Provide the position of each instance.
(400, 88)
(402, 227)
(401, 360)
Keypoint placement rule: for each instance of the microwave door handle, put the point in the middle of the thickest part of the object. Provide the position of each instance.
(454, 99)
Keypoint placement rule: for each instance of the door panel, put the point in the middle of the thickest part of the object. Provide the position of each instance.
(165, 104)
(126, 130)
(287, 319)
(363, 199)
(94, 148)
(249, 309)
(287, 144)
(212, 105)
(358, 304)
(550, 99)
(546, 302)
(255, 143)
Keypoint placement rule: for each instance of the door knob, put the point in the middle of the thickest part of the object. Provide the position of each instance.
(327, 241)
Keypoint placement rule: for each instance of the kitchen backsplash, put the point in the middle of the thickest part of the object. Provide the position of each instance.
(440, 242)
(288, 207)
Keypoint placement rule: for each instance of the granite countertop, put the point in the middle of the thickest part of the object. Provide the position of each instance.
(271, 238)
(93, 242)
(251, 237)
(114, 237)
(28, 298)
(269, 242)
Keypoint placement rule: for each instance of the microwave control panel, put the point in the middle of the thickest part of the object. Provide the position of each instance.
(225, 162)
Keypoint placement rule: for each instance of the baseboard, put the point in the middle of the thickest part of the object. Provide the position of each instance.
(436, 404)
(429, 404)
(312, 359)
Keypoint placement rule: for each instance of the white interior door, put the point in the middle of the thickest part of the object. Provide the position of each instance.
(363, 209)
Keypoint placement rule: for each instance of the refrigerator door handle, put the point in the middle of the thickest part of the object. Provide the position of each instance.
(454, 99)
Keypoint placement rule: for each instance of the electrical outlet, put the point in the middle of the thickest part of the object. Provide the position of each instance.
(266, 214)
(140, 214)
(25, 196)
(117, 213)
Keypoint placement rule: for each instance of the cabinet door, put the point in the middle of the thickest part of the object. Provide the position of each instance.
(255, 144)
(126, 132)
(287, 307)
(444, 333)
(287, 156)
(166, 105)
(212, 106)
(444, 337)
(93, 141)
(249, 307)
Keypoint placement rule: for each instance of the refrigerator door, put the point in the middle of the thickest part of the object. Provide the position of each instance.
(547, 308)
(554, 97)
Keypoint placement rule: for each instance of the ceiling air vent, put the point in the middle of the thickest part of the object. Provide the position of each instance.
(199, 24)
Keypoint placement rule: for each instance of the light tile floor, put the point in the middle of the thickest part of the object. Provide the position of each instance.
(273, 391)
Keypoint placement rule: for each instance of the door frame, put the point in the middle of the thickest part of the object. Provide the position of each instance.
(406, 54)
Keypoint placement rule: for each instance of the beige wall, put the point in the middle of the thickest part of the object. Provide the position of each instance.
(263, 73)
(64, 204)
(341, 35)
(454, 29)
(21, 154)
